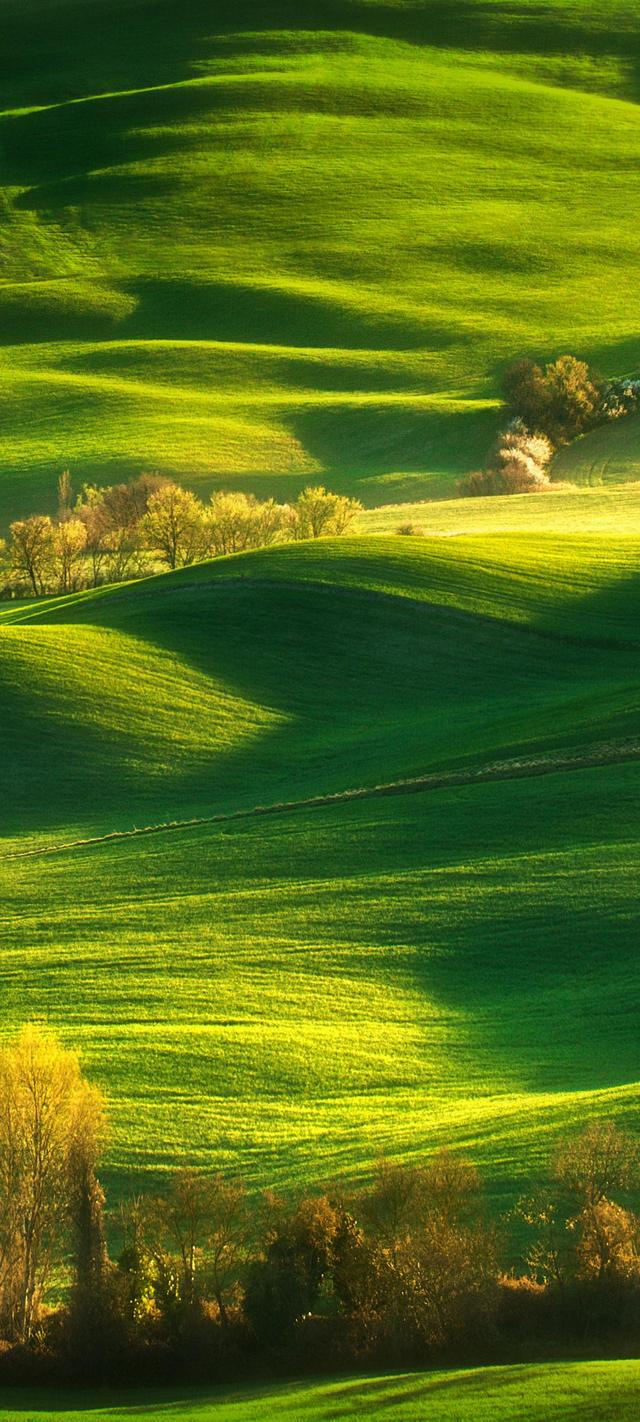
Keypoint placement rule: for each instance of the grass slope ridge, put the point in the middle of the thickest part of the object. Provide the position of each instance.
(198, 224)
(288, 994)
(611, 753)
(314, 669)
(608, 511)
(555, 1392)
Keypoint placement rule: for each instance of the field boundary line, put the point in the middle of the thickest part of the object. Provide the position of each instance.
(604, 753)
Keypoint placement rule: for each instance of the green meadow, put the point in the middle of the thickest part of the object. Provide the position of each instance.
(328, 850)
(608, 510)
(555, 1392)
(255, 246)
(289, 994)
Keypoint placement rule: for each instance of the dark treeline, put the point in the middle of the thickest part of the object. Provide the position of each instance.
(123, 531)
(207, 1283)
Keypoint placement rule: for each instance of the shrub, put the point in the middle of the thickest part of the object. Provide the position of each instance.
(519, 466)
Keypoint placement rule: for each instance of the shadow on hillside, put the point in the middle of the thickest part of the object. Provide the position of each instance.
(374, 439)
(616, 357)
(79, 139)
(358, 676)
(608, 616)
(311, 654)
(73, 48)
(229, 311)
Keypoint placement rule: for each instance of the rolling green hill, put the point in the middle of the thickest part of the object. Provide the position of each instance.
(254, 245)
(606, 456)
(290, 993)
(566, 1392)
(604, 510)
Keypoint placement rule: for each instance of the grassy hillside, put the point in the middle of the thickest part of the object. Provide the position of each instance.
(256, 244)
(604, 511)
(608, 455)
(291, 993)
(563, 1392)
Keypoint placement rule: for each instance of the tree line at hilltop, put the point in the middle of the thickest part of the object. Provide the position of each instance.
(123, 531)
(209, 1283)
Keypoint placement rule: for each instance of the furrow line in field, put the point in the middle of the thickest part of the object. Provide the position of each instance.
(524, 768)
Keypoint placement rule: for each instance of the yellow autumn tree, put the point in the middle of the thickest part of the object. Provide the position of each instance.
(51, 1120)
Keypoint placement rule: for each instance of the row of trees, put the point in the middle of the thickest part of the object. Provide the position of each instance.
(408, 1269)
(548, 406)
(106, 535)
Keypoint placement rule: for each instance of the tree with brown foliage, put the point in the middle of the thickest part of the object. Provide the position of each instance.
(561, 401)
(581, 1230)
(298, 1251)
(594, 1167)
(423, 1272)
(112, 517)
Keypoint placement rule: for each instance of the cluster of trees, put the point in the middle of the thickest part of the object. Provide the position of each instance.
(561, 400)
(409, 1269)
(549, 406)
(106, 535)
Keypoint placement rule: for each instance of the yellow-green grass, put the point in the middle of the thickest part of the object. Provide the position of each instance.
(608, 455)
(605, 511)
(288, 995)
(549, 1392)
(267, 244)
(312, 669)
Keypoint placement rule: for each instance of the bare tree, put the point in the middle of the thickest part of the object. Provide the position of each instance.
(204, 1220)
(599, 1163)
(65, 494)
(114, 517)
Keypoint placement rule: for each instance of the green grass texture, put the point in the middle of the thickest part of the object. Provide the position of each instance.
(551, 1392)
(603, 510)
(290, 994)
(256, 245)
